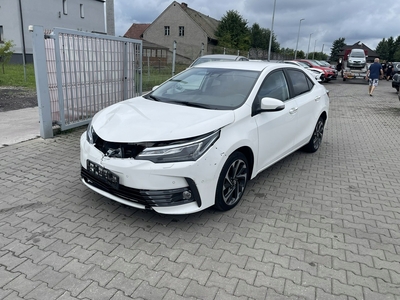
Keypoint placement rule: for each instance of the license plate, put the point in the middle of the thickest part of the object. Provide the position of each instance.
(103, 174)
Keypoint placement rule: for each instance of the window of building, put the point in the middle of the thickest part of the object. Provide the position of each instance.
(82, 11)
(166, 30)
(65, 8)
(1, 34)
(181, 30)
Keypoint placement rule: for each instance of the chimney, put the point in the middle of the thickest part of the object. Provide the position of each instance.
(184, 5)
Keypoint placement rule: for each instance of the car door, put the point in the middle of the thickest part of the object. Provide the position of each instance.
(308, 104)
(276, 129)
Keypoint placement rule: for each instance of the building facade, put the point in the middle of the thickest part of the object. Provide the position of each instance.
(192, 31)
(17, 15)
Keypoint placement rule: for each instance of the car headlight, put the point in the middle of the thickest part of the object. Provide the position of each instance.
(190, 151)
(90, 133)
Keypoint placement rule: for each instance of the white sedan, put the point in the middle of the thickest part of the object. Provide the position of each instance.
(196, 140)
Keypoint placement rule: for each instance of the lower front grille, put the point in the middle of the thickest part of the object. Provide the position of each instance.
(148, 198)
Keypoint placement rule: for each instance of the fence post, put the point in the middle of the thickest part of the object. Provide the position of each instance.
(42, 88)
(173, 59)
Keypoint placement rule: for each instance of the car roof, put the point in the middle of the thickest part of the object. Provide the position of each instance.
(224, 56)
(244, 65)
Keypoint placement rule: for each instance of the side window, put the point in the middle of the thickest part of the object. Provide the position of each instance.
(300, 82)
(274, 86)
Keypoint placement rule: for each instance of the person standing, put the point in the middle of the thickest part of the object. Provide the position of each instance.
(374, 73)
(389, 70)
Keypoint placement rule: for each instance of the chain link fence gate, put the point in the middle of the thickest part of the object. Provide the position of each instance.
(79, 73)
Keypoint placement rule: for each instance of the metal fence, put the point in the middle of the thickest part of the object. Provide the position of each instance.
(79, 73)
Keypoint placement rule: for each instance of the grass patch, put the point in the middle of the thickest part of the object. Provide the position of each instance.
(154, 76)
(14, 76)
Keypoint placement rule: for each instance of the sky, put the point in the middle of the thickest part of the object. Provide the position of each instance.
(324, 21)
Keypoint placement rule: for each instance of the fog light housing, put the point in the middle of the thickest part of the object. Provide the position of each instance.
(186, 195)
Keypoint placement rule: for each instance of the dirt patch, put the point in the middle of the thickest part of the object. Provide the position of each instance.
(13, 98)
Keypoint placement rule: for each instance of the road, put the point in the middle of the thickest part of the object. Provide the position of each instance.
(313, 226)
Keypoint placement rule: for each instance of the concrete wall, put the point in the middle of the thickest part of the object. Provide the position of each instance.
(49, 14)
(174, 16)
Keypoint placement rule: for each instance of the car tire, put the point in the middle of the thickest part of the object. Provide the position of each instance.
(316, 138)
(232, 182)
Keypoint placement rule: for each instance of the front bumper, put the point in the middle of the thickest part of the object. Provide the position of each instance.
(169, 188)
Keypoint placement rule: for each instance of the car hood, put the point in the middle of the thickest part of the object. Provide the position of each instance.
(140, 120)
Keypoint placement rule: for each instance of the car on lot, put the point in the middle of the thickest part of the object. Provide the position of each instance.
(317, 73)
(329, 73)
(197, 139)
(396, 68)
(218, 57)
(396, 81)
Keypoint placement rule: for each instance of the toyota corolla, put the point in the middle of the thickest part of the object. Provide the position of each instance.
(196, 140)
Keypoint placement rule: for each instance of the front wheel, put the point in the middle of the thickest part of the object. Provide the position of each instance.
(232, 182)
(316, 138)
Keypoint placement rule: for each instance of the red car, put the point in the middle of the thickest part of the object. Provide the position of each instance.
(330, 73)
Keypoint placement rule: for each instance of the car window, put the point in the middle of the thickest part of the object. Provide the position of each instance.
(301, 83)
(274, 86)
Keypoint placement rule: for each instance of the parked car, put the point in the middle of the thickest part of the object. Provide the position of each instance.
(326, 64)
(396, 68)
(196, 140)
(217, 57)
(396, 81)
(329, 73)
(317, 73)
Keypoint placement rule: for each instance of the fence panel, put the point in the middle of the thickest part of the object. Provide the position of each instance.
(87, 72)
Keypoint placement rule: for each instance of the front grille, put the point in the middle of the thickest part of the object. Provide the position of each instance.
(120, 150)
(148, 198)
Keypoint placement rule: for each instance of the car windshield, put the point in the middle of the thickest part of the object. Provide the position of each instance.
(304, 65)
(210, 88)
(318, 63)
(357, 54)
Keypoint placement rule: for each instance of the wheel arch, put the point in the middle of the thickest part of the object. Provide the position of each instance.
(250, 158)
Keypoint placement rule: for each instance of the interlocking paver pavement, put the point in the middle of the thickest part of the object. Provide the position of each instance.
(313, 226)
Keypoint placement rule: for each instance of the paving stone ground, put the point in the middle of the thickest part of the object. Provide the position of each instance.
(313, 226)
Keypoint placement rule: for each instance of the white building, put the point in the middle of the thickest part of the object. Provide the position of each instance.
(84, 15)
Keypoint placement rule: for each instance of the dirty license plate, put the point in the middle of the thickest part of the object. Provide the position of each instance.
(103, 174)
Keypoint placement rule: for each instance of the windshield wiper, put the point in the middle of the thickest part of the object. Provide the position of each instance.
(187, 103)
(152, 97)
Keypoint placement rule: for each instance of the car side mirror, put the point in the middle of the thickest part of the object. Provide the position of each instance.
(271, 104)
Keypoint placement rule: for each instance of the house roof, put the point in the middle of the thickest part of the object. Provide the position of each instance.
(136, 31)
(208, 24)
(359, 45)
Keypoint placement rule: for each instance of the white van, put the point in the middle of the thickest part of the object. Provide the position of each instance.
(356, 59)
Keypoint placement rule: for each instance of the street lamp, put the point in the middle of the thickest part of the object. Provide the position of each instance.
(314, 49)
(298, 35)
(272, 30)
(309, 40)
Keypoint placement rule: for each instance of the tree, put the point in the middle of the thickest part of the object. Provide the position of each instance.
(337, 46)
(257, 40)
(5, 53)
(232, 31)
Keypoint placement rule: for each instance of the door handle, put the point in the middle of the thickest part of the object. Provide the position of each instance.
(317, 98)
(293, 110)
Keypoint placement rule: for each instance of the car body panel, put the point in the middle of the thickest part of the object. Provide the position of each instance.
(140, 120)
